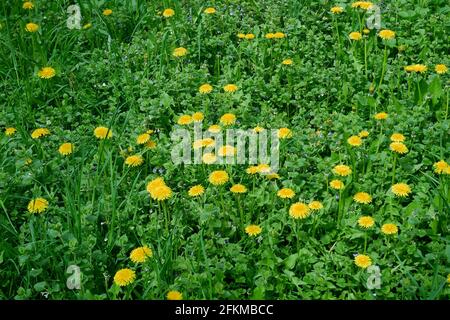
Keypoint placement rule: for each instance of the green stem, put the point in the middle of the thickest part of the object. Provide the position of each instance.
(339, 209)
(384, 68)
(365, 243)
(380, 136)
(241, 212)
(365, 57)
(393, 168)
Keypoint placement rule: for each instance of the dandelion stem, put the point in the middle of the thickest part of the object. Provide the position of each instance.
(365, 242)
(383, 70)
(380, 136)
(166, 216)
(339, 209)
(365, 58)
(419, 91)
(241, 212)
(393, 168)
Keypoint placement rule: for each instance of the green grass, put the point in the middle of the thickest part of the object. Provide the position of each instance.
(121, 74)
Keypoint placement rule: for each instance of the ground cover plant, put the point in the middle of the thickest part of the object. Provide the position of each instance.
(93, 207)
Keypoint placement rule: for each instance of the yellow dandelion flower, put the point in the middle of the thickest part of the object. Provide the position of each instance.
(174, 295)
(366, 31)
(161, 193)
(124, 277)
(279, 35)
(366, 222)
(209, 158)
(389, 228)
(209, 10)
(337, 10)
(337, 184)
(230, 88)
(252, 170)
(227, 151)
(299, 210)
(441, 68)
(381, 116)
(214, 128)
(218, 177)
(31, 27)
(141, 254)
(208, 142)
(238, 188)
(363, 261)
(287, 62)
(205, 88)
(286, 193)
(263, 168)
(184, 119)
(354, 141)
(227, 119)
(269, 35)
(197, 144)
(159, 190)
(143, 138)
(249, 36)
(38, 205)
(272, 176)
(258, 129)
(41, 132)
(315, 205)
(398, 147)
(440, 167)
(179, 52)
(150, 144)
(417, 68)
(196, 190)
(46, 73)
(10, 131)
(107, 12)
(66, 149)
(362, 197)
(356, 36)
(401, 189)
(366, 5)
(253, 230)
(198, 117)
(155, 183)
(386, 34)
(167, 13)
(241, 35)
(103, 133)
(27, 5)
(134, 160)
(284, 133)
(342, 170)
(397, 137)
(363, 134)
